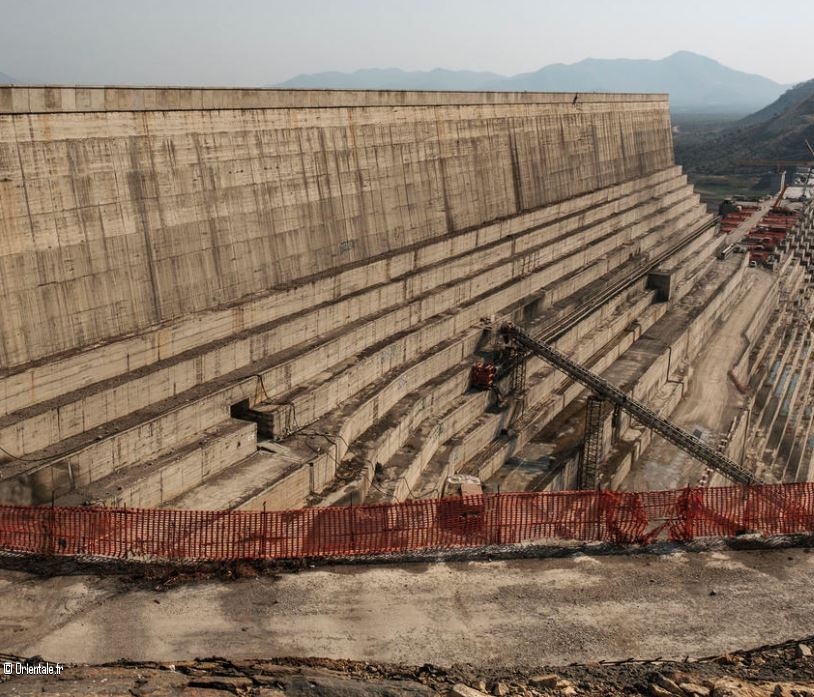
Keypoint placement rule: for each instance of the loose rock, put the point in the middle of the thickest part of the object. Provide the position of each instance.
(221, 682)
(461, 690)
(659, 691)
(501, 689)
(670, 685)
(549, 680)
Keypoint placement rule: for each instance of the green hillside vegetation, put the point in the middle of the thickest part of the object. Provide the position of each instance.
(793, 97)
(777, 132)
(712, 151)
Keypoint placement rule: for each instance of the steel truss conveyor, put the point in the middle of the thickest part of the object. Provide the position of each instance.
(677, 436)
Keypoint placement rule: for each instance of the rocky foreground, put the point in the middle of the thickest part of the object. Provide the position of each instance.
(784, 670)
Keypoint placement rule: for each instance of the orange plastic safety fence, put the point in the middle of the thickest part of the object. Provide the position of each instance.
(491, 519)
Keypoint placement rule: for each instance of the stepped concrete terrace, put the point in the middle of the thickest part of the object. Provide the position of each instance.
(268, 298)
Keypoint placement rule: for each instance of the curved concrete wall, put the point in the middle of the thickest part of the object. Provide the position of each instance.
(122, 209)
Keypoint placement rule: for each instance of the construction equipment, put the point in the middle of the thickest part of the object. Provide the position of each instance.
(462, 485)
(462, 503)
(605, 390)
(483, 375)
(593, 446)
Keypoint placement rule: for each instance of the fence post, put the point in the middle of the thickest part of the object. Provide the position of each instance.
(746, 523)
(352, 525)
(52, 525)
(499, 507)
(689, 515)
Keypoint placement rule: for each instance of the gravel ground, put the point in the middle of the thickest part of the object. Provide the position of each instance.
(511, 612)
(774, 671)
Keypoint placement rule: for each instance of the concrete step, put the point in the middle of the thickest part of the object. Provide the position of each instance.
(98, 452)
(798, 468)
(28, 428)
(398, 425)
(454, 454)
(92, 456)
(402, 472)
(594, 342)
(579, 259)
(787, 394)
(640, 368)
(797, 431)
(152, 483)
(298, 368)
(475, 434)
(314, 398)
(243, 484)
(345, 421)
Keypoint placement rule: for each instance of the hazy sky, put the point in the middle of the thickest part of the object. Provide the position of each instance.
(260, 42)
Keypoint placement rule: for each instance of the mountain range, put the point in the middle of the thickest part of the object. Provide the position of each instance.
(394, 79)
(694, 82)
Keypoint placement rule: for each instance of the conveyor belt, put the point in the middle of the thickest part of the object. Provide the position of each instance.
(677, 436)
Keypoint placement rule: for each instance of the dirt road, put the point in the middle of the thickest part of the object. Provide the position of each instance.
(519, 612)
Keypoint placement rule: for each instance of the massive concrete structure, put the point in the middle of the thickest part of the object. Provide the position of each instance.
(184, 269)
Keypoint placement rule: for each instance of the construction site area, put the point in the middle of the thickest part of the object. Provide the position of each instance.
(218, 300)
(291, 324)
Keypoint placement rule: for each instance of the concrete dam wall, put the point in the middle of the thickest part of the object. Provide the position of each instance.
(117, 221)
(224, 298)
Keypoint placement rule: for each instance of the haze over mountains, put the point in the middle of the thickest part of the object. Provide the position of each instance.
(776, 132)
(695, 83)
(395, 79)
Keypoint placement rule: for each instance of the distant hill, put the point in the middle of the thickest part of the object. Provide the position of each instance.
(695, 83)
(394, 79)
(788, 100)
(777, 132)
(7, 80)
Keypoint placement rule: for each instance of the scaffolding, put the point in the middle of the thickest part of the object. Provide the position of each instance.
(593, 444)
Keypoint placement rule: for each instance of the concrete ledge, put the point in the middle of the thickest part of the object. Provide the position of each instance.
(152, 483)
(535, 272)
(21, 99)
(152, 352)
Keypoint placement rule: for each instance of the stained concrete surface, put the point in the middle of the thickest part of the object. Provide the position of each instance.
(207, 251)
(114, 222)
(519, 612)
